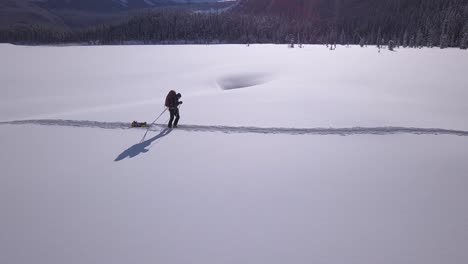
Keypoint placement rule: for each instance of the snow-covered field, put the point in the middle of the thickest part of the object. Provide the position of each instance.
(282, 156)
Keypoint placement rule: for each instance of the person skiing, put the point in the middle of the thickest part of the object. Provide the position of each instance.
(172, 103)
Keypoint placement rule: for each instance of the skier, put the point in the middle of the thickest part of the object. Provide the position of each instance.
(172, 102)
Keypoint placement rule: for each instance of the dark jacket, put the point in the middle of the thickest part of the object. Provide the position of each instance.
(175, 102)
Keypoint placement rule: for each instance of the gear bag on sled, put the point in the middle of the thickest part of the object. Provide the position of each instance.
(170, 99)
(139, 124)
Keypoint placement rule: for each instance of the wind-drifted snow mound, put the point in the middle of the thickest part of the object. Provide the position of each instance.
(330, 157)
(236, 81)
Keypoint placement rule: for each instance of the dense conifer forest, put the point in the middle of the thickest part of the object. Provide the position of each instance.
(408, 23)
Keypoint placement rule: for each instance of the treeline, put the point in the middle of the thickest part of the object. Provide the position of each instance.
(171, 27)
(413, 23)
(429, 23)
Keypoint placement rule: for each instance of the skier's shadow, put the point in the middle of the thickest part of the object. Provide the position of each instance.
(140, 148)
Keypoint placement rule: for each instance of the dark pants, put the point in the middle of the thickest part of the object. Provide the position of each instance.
(174, 112)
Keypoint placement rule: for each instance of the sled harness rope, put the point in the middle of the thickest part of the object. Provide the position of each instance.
(153, 124)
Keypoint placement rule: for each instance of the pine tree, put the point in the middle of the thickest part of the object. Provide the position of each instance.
(342, 37)
(444, 38)
(411, 42)
(379, 38)
(419, 39)
(291, 41)
(464, 38)
(391, 45)
(362, 42)
(405, 39)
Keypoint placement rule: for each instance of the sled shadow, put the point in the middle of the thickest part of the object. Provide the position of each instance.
(140, 148)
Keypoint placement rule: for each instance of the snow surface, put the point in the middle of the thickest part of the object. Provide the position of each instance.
(283, 155)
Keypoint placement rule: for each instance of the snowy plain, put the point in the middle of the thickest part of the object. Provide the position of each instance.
(283, 155)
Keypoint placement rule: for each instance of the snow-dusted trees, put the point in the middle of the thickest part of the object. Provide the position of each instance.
(32, 34)
(411, 23)
(417, 23)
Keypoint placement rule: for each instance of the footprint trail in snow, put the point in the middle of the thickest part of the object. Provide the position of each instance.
(251, 130)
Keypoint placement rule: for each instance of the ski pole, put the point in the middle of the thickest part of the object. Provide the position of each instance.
(165, 109)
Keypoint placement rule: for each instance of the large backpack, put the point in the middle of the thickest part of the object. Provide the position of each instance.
(170, 98)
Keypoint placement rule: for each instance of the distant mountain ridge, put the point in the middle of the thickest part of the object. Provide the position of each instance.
(73, 13)
(112, 5)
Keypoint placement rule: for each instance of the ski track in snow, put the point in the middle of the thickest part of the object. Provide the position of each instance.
(252, 130)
